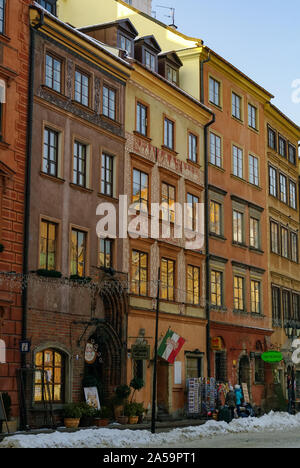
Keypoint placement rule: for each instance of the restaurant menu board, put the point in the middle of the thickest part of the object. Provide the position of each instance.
(245, 393)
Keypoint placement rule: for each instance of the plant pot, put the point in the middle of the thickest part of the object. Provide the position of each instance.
(122, 419)
(86, 421)
(101, 422)
(133, 419)
(71, 422)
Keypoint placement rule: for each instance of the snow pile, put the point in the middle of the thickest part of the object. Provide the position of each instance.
(113, 438)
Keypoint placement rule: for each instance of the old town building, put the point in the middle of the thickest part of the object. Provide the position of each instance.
(75, 299)
(14, 74)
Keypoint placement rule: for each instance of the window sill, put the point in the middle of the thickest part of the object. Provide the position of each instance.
(194, 164)
(217, 106)
(83, 107)
(238, 244)
(4, 38)
(255, 250)
(170, 150)
(53, 178)
(219, 168)
(253, 130)
(141, 135)
(217, 236)
(4, 145)
(236, 119)
(111, 121)
(240, 179)
(107, 197)
(241, 312)
(80, 188)
(56, 93)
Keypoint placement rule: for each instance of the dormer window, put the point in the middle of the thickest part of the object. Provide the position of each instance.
(168, 66)
(49, 5)
(146, 51)
(126, 44)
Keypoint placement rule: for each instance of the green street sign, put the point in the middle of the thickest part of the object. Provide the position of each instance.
(272, 356)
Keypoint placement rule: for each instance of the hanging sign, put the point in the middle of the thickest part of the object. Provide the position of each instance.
(90, 354)
(272, 356)
(216, 343)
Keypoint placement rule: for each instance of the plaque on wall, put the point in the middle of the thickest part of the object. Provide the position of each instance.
(140, 352)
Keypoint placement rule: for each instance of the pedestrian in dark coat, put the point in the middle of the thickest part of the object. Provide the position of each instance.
(230, 401)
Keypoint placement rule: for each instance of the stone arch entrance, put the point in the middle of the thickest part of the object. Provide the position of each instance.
(105, 369)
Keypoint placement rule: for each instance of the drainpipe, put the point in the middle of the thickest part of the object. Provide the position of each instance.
(207, 254)
(202, 62)
(27, 194)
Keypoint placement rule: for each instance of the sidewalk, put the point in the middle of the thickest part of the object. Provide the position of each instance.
(164, 426)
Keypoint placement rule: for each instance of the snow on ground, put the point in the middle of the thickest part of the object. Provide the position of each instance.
(113, 438)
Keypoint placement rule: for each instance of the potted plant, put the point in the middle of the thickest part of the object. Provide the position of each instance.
(102, 416)
(140, 411)
(72, 415)
(122, 393)
(48, 273)
(87, 415)
(136, 384)
(130, 410)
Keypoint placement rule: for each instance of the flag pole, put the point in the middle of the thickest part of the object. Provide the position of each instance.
(155, 358)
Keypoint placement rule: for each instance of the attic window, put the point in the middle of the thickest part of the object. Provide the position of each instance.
(126, 44)
(172, 75)
(49, 5)
(150, 60)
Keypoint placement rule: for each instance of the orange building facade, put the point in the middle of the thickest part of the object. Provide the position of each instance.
(14, 72)
(238, 277)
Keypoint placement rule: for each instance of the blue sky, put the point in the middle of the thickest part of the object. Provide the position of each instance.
(260, 37)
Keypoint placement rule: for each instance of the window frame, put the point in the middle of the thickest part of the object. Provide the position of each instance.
(275, 171)
(169, 123)
(104, 252)
(252, 118)
(234, 107)
(256, 178)
(239, 232)
(47, 129)
(212, 92)
(219, 294)
(168, 297)
(43, 368)
(76, 173)
(215, 155)
(82, 96)
(137, 289)
(193, 148)
(3, 24)
(138, 123)
(272, 132)
(106, 109)
(240, 301)
(55, 58)
(104, 183)
(85, 232)
(193, 297)
(257, 304)
(56, 225)
(238, 161)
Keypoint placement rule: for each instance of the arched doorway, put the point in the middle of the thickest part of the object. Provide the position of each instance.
(103, 361)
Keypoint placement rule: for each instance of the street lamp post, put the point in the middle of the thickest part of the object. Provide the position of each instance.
(155, 358)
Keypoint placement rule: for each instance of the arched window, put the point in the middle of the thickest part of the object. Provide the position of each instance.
(49, 376)
(2, 352)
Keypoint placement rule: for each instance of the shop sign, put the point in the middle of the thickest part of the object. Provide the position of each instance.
(140, 352)
(272, 356)
(216, 343)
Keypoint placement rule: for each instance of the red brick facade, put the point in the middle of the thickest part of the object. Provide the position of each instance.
(14, 70)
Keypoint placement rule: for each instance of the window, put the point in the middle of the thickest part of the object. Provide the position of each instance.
(272, 181)
(1, 121)
(150, 60)
(215, 150)
(259, 370)
(252, 116)
(193, 284)
(214, 92)
(172, 75)
(254, 233)
(216, 284)
(293, 195)
(169, 134)
(82, 88)
(49, 5)
(80, 164)
(292, 154)
(284, 242)
(238, 227)
(294, 247)
(286, 306)
(220, 366)
(78, 253)
(296, 306)
(255, 297)
(282, 146)
(50, 155)
(126, 44)
(272, 138)
(237, 162)
(53, 74)
(236, 106)
(168, 202)
(140, 190)
(107, 165)
(109, 102)
(253, 170)
(142, 119)
(139, 273)
(2, 16)
(276, 306)
(283, 188)
(192, 211)
(48, 245)
(193, 367)
(193, 147)
(167, 279)
(105, 253)
(215, 218)
(238, 293)
(274, 237)
(49, 376)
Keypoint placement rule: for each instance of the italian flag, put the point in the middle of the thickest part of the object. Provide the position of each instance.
(170, 346)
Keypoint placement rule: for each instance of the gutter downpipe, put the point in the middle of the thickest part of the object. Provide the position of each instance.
(206, 210)
(24, 421)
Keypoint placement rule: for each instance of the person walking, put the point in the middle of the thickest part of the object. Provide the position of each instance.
(238, 398)
(230, 401)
